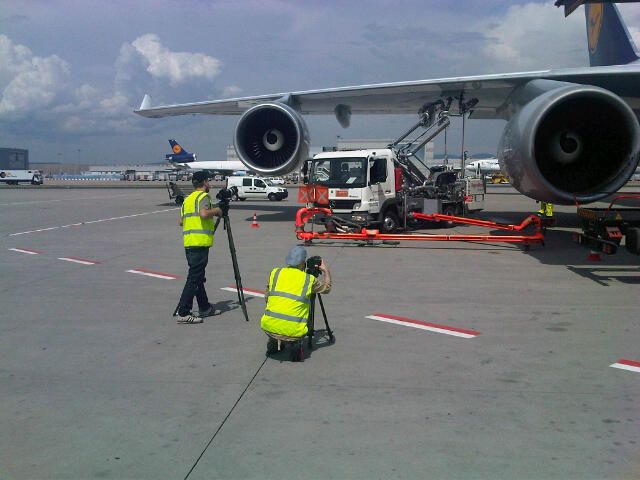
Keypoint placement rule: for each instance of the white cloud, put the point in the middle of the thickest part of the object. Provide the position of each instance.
(231, 91)
(534, 36)
(177, 67)
(28, 82)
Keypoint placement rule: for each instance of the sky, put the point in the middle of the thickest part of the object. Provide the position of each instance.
(72, 72)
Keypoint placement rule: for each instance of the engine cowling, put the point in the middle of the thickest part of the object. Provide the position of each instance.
(566, 142)
(272, 138)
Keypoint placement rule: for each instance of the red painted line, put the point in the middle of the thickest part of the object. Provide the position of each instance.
(248, 289)
(26, 250)
(426, 324)
(631, 363)
(144, 270)
(83, 260)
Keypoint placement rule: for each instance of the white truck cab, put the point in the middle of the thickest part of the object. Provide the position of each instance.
(361, 183)
(255, 187)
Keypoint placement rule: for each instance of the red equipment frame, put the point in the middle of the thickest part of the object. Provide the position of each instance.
(305, 214)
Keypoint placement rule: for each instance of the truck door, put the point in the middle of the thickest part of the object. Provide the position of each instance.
(246, 191)
(379, 186)
(259, 188)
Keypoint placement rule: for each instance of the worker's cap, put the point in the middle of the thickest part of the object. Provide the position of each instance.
(199, 177)
(296, 255)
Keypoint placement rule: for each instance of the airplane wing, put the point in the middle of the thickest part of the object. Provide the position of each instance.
(491, 91)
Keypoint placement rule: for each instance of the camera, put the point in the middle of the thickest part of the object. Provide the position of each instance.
(313, 265)
(226, 194)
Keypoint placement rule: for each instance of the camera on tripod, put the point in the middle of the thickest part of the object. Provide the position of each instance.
(226, 194)
(313, 266)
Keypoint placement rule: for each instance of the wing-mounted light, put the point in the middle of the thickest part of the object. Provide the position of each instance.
(272, 138)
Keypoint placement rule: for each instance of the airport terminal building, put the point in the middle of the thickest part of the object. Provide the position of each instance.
(14, 159)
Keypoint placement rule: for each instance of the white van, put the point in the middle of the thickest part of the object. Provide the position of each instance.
(253, 187)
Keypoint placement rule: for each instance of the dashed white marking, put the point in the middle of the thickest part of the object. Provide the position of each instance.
(81, 261)
(25, 250)
(422, 325)
(627, 365)
(148, 273)
(93, 221)
(247, 291)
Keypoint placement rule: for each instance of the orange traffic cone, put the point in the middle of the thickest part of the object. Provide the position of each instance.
(254, 223)
(594, 256)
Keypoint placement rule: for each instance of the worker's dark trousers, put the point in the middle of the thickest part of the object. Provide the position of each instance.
(197, 258)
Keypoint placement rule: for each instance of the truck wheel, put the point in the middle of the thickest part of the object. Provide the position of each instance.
(272, 197)
(179, 200)
(242, 199)
(390, 221)
(632, 240)
(451, 211)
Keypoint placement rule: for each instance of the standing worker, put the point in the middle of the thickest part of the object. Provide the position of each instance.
(546, 210)
(288, 297)
(196, 218)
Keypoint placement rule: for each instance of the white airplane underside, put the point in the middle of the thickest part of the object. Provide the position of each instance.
(570, 135)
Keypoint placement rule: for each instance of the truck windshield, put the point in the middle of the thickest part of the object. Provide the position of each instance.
(339, 172)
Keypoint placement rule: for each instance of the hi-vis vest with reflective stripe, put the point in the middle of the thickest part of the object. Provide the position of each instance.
(196, 231)
(288, 303)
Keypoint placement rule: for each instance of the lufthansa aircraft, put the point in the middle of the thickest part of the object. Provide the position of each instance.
(571, 134)
(183, 159)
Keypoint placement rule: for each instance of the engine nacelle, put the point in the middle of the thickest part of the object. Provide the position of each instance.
(566, 142)
(272, 139)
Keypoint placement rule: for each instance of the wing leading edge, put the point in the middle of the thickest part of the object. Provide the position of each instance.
(492, 92)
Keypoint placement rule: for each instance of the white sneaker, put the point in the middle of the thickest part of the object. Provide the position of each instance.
(189, 319)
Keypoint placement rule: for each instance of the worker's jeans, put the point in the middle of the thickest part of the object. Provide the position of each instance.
(197, 258)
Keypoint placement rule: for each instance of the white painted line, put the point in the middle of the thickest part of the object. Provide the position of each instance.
(422, 325)
(93, 221)
(148, 273)
(25, 250)
(81, 261)
(247, 291)
(627, 365)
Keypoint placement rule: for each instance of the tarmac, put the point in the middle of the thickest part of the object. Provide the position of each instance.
(97, 380)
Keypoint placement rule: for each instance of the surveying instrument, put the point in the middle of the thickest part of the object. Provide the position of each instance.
(224, 197)
(312, 266)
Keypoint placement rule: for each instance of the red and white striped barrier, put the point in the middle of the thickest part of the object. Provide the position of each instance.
(422, 325)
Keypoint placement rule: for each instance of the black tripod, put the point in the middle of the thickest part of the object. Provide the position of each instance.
(311, 321)
(234, 260)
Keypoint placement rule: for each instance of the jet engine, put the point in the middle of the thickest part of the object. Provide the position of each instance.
(566, 142)
(272, 139)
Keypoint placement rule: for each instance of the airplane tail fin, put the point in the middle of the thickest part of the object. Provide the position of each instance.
(179, 154)
(608, 38)
(177, 148)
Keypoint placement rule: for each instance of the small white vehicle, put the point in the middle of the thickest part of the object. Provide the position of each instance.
(13, 177)
(253, 187)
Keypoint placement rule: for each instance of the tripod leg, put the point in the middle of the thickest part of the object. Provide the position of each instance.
(311, 321)
(236, 270)
(326, 322)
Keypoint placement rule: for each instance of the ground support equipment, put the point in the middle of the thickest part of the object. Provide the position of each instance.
(306, 215)
(604, 228)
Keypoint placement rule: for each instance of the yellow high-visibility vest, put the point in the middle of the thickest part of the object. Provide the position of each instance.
(287, 308)
(196, 231)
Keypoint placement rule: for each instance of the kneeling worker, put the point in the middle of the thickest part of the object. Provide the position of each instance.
(288, 297)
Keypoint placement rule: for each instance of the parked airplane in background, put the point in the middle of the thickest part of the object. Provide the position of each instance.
(182, 159)
(179, 155)
(484, 166)
(571, 134)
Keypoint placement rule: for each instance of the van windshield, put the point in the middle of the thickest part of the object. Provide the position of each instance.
(339, 172)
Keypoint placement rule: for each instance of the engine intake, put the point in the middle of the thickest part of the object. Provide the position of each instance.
(272, 138)
(569, 142)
